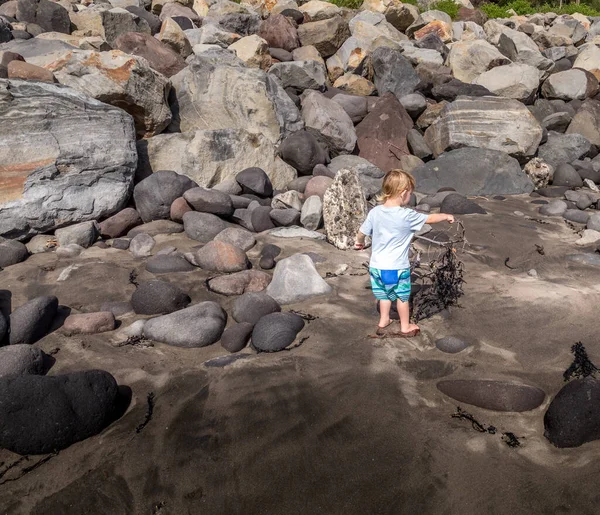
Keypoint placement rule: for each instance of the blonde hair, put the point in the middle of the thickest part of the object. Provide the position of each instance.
(395, 183)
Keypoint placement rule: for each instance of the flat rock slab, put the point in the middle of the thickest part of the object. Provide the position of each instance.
(493, 395)
(240, 282)
(296, 232)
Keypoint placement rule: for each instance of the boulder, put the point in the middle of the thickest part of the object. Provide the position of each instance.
(276, 331)
(202, 227)
(457, 204)
(303, 151)
(588, 59)
(157, 297)
(328, 122)
(83, 234)
(285, 217)
(519, 48)
(569, 85)
(289, 199)
(555, 207)
(22, 359)
(26, 71)
(108, 24)
(563, 148)
(325, 35)
(208, 96)
(518, 81)
(251, 307)
(89, 323)
(45, 414)
(451, 344)
(119, 224)
(572, 418)
(493, 395)
(317, 186)
(240, 238)
(254, 51)
(209, 201)
(168, 263)
(296, 279)
(469, 59)
(31, 321)
(11, 253)
(197, 326)
(219, 256)
(539, 172)
(473, 171)
(210, 157)
(172, 35)
(393, 72)
(312, 213)
(236, 337)
(566, 175)
(156, 227)
(344, 209)
(279, 32)
(240, 282)
(300, 75)
(356, 107)
(382, 134)
(261, 219)
(355, 85)
(587, 122)
(50, 16)
(255, 181)
(160, 56)
(48, 130)
(121, 80)
(400, 15)
(267, 256)
(485, 122)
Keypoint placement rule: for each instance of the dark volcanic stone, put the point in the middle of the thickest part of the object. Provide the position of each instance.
(280, 54)
(276, 331)
(209, 201)
(393, 73)
(32, 320)
(240, 282)
(553, 191)
(153, 21)
(493, 395)
(158, 297)
(261, 219)
(268, 255)
(456, 204)
(255, 181)
(251, 307)
(43, 414)
(155, 228)
(154, 195)
(302, 151)
(12, 252)
(285, 217)
(451, 344)
(454, 88)
(236, 337)
(573, 417)
(202, 227)
(165, 263)
(566, 175)
(121, 243)
(119, 224)
(51, 16)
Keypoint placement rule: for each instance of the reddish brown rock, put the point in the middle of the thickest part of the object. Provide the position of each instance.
(120, 224)
(279, 32)
(160, 56)
(317, 186)
(474, 15)
(382, 133)
(219, 256)
(89, 323)
(179, 207)
(440, 28)
(21, 70)
(240, 282)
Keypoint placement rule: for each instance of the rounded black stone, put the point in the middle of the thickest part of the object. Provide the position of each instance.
(276, 331)
(158, 297)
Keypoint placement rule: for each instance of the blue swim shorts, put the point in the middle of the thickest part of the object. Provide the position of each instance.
(390, 284)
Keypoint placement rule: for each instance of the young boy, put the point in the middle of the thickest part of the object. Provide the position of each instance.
(391, 226)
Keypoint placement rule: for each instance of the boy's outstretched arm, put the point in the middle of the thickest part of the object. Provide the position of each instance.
(360, 241)
(439, 217)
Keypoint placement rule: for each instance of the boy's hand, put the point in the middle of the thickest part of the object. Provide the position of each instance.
(450, 218)
(359, 246)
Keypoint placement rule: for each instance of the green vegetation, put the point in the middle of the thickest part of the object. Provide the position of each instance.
(450, 7)
(523, 7)
(350, 4)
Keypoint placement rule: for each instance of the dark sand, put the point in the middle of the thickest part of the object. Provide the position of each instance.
(343, 424)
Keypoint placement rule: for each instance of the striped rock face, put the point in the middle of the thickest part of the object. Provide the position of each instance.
(64, 158)
(485, 122)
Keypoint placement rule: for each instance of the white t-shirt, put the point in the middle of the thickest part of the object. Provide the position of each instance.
(391, 229)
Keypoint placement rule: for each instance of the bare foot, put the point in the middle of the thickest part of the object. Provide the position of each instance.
(384, 323)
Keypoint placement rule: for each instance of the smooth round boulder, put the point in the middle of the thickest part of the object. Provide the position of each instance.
(493, 395)
(237, 237)
(256, 181)
(317, 186)
(302, 151)
(566, 175)
(119, 224)
(261, 219)
(22, 359)
(12, 252)
(451, 344)
(157, 297)
(31, 321)
(207, 200)
(219, 256)
(202, 227)
(236, 337)
(167, 263)
(197, 326)
(240, 282)
(577, 216)
(44, 414)
(285, 217)
(179, 207)
(275, 332)
(267, 256)
(457, 204)
(251, 307)
(154, 195)
(141, 245)
(299, 184)
(89, 323)
(555, 207)
(573, 417)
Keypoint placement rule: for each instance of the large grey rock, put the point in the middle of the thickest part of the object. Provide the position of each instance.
(209, 201)
(109, 24)
(251, 307)
(238, 237)
(236, 336)
(303, 151)
(329, 123)
(209, 97)
(520, 48)
(154, 195)
(158, 297)
(326, 36)
(570, 84)
(300, 74)
(344, 209)
(54, 140)
(587, 122)
(45, 414)
(50, 16)
(469, 59)
(485, 122)
(36, 47)
(312, 213)
(202, 227)
(356, 107)
(518, 81)
(31, 321)
(124, 81)
(555, 207)
(296, 279)
(276, 331)
(473, 171)
(12, 252)
(566, 175)
(393, 72)
(83, 234)
(22, 359)
(210, 157)
(563, 148)
(197, 326)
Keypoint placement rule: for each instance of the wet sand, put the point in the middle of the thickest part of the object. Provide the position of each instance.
(342, 424)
